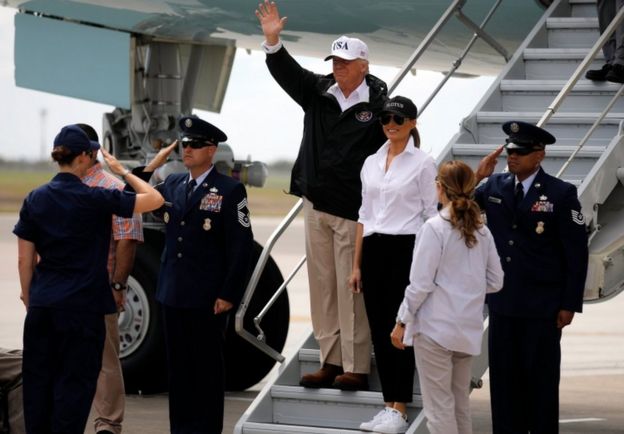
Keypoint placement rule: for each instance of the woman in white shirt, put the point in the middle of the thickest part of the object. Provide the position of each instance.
(455, 264)
(398, 196)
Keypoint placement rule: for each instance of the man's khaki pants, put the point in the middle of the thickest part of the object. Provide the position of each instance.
(338, 315)
(110, 398)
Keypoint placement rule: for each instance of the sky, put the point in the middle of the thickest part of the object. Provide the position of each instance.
(261, 121)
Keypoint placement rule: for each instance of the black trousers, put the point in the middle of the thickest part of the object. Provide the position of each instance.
(386, 263)
(194, 340)
(62, 361)
(525, 358)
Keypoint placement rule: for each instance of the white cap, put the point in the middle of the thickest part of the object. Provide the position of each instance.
(348, 49)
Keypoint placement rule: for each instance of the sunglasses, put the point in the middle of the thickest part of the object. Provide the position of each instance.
(520, 151)
(196, 144)
(385, 119)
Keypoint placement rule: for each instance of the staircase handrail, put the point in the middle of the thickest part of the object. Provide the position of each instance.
(574, 78)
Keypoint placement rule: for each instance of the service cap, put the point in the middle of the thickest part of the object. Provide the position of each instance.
(195, 128)
(525, 135)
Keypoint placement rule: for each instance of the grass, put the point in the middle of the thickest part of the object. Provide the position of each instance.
(270, 200)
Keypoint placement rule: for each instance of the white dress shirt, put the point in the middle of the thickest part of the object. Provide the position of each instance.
(200, 178)
(397, 201)
(448, 283)
(527, 183)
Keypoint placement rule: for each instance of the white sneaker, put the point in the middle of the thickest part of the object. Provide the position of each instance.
(371, 424)
(393, 423)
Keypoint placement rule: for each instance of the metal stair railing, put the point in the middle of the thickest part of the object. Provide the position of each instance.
(567, 88)
(455, 8)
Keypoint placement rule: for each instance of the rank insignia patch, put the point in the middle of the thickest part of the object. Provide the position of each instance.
(578, 217)
(243, 213)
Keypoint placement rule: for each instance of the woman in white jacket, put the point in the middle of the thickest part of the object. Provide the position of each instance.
(455, 264)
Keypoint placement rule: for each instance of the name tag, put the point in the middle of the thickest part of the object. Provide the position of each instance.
(495, 199)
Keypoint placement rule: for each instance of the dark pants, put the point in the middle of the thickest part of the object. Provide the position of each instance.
(194, 340)
(62, 360)
(525, 357)
(386, 262)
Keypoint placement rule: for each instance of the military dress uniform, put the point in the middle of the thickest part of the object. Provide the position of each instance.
(207, 255)
(542, 242)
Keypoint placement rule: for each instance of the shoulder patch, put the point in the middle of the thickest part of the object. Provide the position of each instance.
(578, 217)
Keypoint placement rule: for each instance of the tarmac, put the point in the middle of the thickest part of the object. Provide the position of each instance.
(592, 381)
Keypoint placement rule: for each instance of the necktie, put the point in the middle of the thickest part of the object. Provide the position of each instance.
(519, 194)
(189, 189)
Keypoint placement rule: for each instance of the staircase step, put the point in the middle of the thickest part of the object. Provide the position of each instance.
(309, 361)
(583, 8)
(294, 405)
(525, 95)
(272, 428)
(575, 32)
(555, 63)
(568, 128)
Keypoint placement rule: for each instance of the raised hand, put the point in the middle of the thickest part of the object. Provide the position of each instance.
(161, 157)
(113, 164)
(272, 24)
(488, 163)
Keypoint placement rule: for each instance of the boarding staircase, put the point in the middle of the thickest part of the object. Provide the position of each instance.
(525, 88)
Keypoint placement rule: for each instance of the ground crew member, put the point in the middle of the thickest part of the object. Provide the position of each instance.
(64, 233)
(541, 238)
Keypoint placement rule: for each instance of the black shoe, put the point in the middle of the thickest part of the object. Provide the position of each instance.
(105, 431)
(598, 74)
(616, 74)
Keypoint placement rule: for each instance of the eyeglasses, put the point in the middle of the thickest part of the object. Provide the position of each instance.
(385, 119)
(520, 151)
(196, 144)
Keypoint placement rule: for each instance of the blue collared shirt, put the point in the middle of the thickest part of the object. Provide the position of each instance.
(70, 225)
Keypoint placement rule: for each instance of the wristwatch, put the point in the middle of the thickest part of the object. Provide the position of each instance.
(118, 286)
(399, 322)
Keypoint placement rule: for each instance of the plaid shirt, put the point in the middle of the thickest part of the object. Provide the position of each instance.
(123, 229)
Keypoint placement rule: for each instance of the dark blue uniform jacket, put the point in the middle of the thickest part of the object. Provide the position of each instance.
(542, 245)
(208, 242)
(70, 225)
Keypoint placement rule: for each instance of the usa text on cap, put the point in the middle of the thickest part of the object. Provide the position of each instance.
(348, 49)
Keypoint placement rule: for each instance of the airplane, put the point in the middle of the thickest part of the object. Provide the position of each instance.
(156, 60)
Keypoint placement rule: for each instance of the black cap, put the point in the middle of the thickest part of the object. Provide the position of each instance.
(525, 135)
(194, 128)
(75, 139)
(399, 105)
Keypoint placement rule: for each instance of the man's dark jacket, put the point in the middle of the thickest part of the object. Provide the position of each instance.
(335, 143)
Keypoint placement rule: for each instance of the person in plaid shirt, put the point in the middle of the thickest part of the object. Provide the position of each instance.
(109, 400)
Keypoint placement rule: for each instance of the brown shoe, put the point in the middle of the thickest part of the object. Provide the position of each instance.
(324, 377)
(351, 381)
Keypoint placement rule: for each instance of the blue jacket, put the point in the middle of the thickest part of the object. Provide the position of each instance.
(208, 242)
(542, 245)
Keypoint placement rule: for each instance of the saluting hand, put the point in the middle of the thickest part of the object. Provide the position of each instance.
(488, 163)
(113, 164)
(161, 157)
(397, 337)
(272, 24)
(221, 306)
